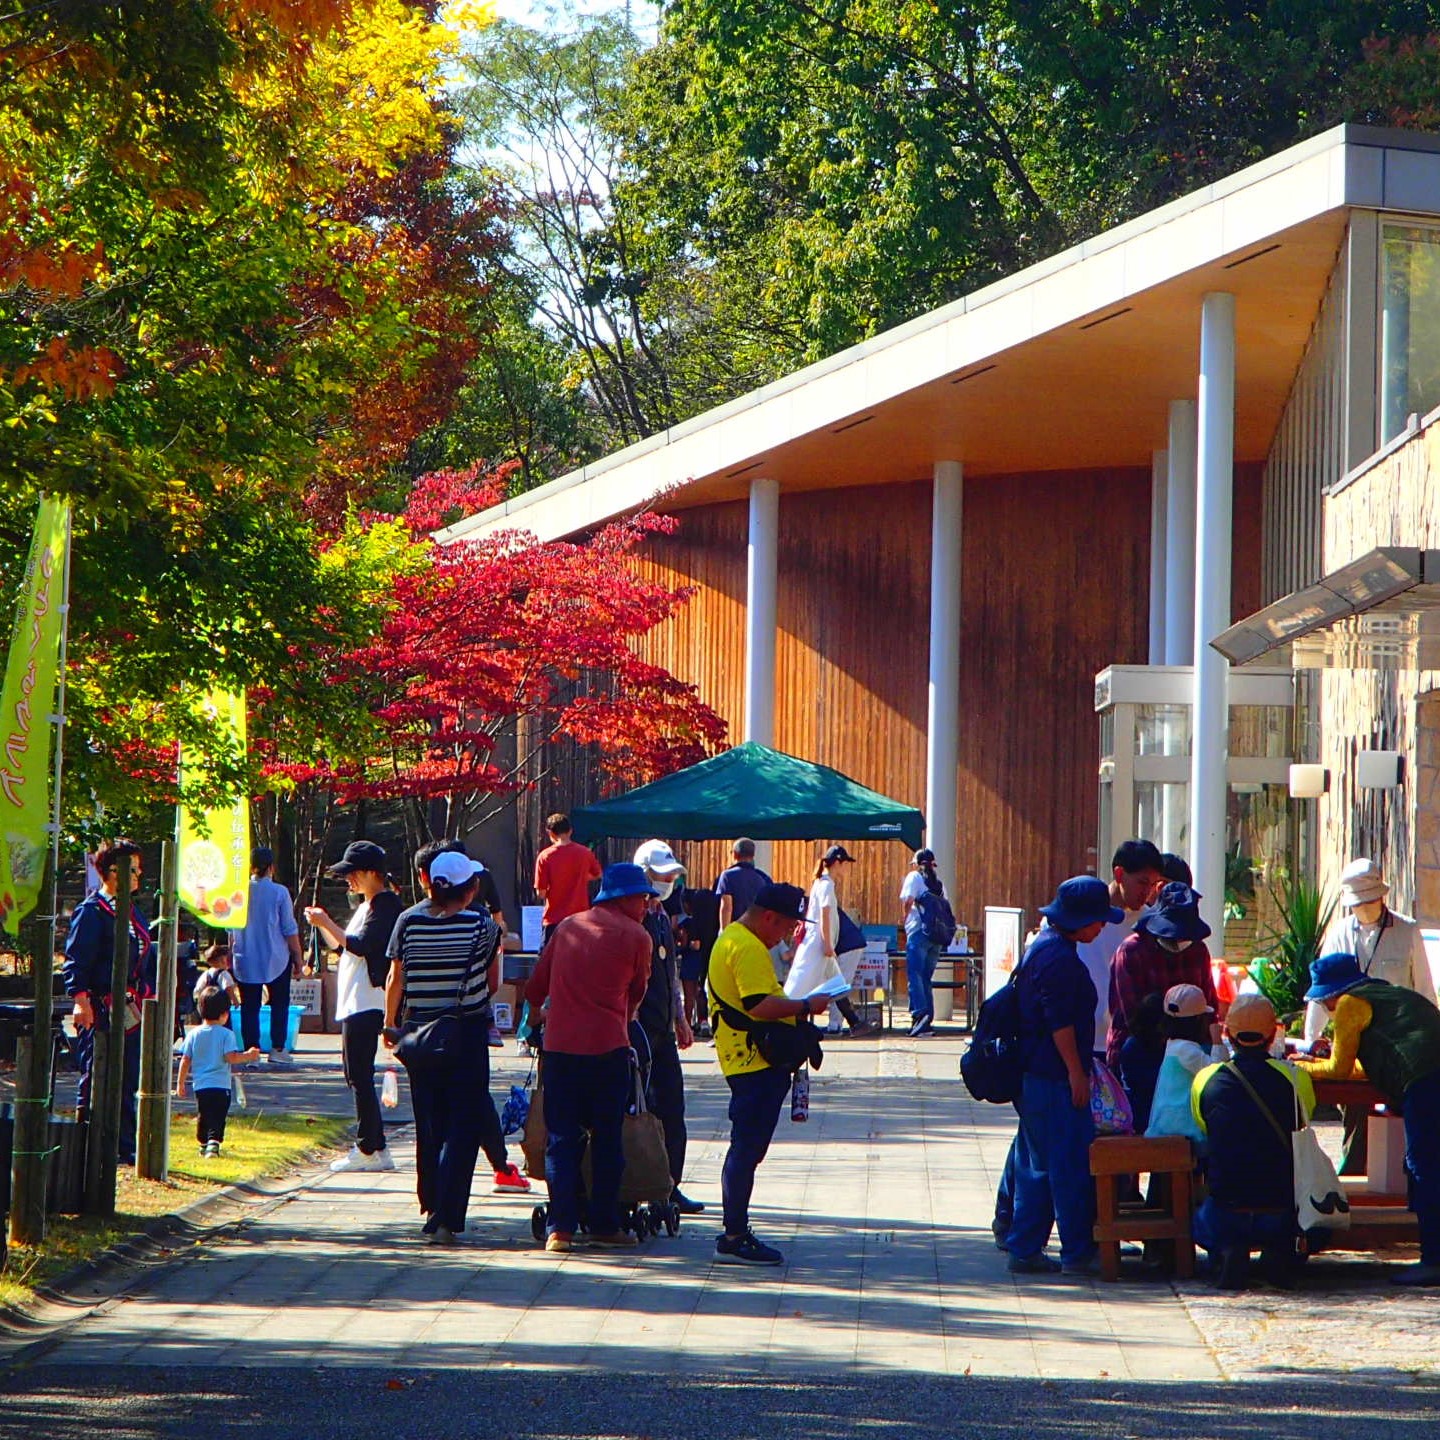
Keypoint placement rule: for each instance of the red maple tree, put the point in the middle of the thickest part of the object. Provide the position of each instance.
(489, 652)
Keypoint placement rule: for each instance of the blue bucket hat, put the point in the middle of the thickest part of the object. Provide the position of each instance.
(1081, 901)
(1175, 915)
(1333, 974)
(621, 880)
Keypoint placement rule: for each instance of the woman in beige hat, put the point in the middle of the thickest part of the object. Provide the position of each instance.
(1388, 947)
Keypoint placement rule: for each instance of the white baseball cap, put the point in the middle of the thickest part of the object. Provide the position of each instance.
(658, 858)
(452, 868)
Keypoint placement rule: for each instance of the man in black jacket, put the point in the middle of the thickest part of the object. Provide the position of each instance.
(1249, 1167)
(662, 1015)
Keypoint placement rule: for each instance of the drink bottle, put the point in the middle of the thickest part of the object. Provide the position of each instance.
(800, 1095)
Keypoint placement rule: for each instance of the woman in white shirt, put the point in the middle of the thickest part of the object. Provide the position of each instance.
(360, 992)
(817, 957)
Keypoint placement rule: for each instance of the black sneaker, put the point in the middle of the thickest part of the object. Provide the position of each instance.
(1234, 1269)
(684, 1204)
(745, 1250)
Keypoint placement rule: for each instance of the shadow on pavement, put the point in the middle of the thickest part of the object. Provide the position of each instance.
(553, 1405)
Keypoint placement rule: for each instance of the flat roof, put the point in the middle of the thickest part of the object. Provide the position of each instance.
(1069, 364)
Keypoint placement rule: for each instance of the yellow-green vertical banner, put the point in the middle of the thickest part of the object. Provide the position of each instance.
(27, 704)
(214, 852)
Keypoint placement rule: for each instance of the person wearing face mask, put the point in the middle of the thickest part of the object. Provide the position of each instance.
(1166, 948)
(662, 1013)
(360, 990)
(1388, 947)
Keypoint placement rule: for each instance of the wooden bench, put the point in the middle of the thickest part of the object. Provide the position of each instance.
(1170, 1164)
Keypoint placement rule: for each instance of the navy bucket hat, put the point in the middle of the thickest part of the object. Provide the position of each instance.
(1175, 915)
(1333, 974)
(1080, 901)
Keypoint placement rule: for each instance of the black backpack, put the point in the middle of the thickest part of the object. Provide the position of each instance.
(937, 919)
(991, 1067)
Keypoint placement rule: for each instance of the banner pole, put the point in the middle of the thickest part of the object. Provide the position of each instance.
(30, 1147)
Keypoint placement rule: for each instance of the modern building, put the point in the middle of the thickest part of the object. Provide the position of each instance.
(913, 560)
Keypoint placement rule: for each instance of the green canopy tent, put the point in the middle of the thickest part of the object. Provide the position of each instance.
(755, 791)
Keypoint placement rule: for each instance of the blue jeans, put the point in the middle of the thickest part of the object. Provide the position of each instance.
(450, 1106)
(585, 1095)
(1421, 1110)
(277, 992)
(755, 1101)
(1005, 1191)
(921, 956)
(1053, 1186)
(1217, 1227)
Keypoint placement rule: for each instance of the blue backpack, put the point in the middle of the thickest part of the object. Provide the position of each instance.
(937, 920)
(991, 1067)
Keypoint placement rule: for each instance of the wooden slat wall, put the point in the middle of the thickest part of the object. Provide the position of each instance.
(1055, 574)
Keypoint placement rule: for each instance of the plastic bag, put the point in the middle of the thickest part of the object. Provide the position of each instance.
(390, 1089)
(1109, 1104)
(515, 1111)
(800, 1095)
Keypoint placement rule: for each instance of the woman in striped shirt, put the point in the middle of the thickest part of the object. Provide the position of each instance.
(441, 954)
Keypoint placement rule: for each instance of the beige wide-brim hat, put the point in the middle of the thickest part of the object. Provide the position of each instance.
(1362, 883)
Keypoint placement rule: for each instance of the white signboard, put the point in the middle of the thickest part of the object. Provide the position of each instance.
(530, 928)
(1004, 944)
(308, 994)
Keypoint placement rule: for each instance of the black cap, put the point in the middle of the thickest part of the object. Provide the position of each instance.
(786, 900)
(361, 855)
(838, 852)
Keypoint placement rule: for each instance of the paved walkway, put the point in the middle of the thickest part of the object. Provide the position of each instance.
(881, 1204)
(322, 1317)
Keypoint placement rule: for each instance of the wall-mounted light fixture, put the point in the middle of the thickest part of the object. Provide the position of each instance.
(1308, 782)
(1379, 769)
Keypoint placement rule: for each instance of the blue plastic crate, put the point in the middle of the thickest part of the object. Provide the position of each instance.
(292, 1031)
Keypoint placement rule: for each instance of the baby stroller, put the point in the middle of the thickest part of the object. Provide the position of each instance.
(645, 1187)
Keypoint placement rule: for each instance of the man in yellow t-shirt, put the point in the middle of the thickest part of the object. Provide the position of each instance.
(742, 979)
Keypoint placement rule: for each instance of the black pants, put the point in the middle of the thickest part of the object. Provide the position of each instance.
(85, 1059)
(585, 1096)
(666, 1097)
(755, 1101)
(213, 1107)
(277, 992)
(359, 1039)
(451, 1105)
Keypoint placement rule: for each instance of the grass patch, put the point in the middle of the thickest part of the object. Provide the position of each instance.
(255, 1146)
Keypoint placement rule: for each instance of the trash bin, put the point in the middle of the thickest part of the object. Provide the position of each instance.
(944, 999)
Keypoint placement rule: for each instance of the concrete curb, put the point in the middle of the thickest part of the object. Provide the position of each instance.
(82, 1290)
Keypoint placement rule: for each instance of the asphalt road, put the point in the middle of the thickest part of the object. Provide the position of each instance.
(330, 1404)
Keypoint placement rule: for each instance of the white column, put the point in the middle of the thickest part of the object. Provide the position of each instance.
(761, 605)
(1180, 535)
(942, 744)
(1213, 545)
(1159, 479)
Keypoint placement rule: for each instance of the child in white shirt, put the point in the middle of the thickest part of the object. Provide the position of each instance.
(1188, 1050)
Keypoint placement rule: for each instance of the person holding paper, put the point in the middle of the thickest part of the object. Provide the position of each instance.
(816, 968)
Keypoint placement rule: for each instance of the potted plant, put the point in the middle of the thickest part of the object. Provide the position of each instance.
(1283, 974)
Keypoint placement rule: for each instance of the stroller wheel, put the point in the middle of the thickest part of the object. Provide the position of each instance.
(672, 1220)
(538, 1216)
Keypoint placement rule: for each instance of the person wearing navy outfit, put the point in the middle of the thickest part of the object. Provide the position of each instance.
(1057, 999)
(89, 946)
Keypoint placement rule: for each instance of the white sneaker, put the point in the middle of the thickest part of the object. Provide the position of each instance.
(385, 1158)
(281, 1060)
(357, 1159)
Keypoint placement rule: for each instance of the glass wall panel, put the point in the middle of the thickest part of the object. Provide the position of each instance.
(1409, 326)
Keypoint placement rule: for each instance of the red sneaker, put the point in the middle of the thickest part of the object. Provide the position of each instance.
(510, 1181)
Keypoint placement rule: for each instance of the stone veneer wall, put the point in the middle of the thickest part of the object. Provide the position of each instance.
(1394, 502)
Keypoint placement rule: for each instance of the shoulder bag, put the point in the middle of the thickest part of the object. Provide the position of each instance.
(435, 1044)
(786, 1047)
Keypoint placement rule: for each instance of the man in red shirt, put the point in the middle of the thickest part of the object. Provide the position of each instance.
(563, 872)
(593, 972)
